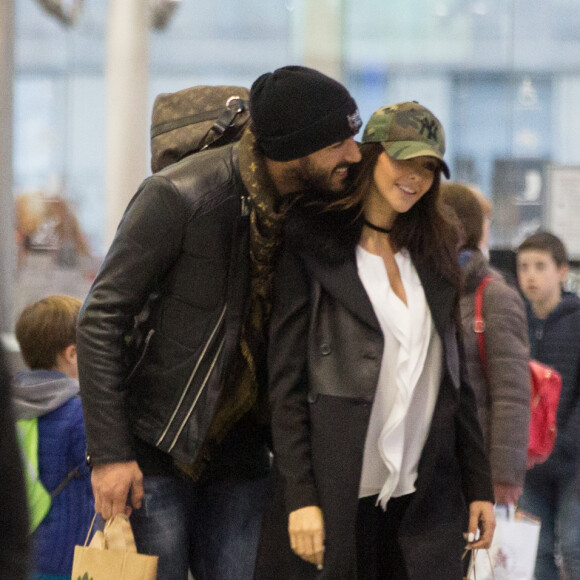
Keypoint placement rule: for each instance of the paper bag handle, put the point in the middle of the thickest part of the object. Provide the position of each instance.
(472, 564)
(90, 530)
(117, 534)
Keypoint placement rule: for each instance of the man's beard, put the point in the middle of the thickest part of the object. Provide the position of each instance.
(320, 181)
(315, 192)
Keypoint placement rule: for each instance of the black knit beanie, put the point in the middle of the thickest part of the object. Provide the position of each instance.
(297, 110)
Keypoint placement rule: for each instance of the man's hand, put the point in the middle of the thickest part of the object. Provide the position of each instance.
(306, 530)
(506, 494)
(482, 517)
(112, 483)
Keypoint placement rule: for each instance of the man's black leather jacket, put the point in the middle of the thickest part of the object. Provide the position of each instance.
(181, 255)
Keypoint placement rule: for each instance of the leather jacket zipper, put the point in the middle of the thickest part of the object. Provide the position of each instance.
(201, 389)
(191, 377)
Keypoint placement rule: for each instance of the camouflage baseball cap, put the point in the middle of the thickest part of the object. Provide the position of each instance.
(407, 130)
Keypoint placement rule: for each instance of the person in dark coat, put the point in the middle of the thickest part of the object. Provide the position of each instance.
(502, 384)
(14, 537)
(176, 417)
(379, 461)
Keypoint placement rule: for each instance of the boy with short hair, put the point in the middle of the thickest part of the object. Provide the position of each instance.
(48, 391)
(554, 327)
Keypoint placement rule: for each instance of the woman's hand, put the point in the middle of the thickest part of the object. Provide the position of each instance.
(306, 530)
(482, 518)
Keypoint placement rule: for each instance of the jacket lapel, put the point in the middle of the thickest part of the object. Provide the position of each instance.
(440, 297)
(341, 281)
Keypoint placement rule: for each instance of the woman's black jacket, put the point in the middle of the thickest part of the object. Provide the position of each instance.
(325, 354)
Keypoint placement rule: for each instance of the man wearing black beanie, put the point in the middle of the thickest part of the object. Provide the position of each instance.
(297, 113)
(181, 432)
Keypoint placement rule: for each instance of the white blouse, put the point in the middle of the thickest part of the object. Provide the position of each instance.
(408, 380)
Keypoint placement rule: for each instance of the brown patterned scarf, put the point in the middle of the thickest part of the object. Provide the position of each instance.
(245, 391)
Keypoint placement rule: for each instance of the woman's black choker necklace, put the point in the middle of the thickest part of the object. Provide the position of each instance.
(376, 228)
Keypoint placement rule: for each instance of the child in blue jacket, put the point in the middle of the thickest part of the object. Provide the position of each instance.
(49, 391)
(554, 328)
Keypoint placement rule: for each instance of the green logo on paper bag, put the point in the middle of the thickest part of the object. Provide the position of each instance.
(85, 577)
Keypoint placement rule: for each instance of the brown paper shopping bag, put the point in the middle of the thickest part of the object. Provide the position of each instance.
(112, 555)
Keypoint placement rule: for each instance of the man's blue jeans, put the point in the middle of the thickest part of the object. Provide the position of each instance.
(210, 528)
(550, 494)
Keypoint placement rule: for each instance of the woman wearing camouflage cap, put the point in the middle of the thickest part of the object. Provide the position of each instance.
(381, 472)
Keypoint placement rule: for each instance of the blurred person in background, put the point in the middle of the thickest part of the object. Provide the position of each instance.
(554, 332)
(502, 384)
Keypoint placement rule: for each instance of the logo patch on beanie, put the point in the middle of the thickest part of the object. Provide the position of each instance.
(354, 122)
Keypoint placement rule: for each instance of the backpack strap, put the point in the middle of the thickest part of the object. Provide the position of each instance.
(224, 129)
(478, 322)
(224, 116)
(72, 474)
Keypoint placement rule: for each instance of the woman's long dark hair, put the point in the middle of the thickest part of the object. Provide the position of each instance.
(424, 230)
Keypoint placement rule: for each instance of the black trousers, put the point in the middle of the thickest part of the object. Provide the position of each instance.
(379, 556)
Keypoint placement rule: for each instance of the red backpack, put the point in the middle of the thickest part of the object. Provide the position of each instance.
(546, 384)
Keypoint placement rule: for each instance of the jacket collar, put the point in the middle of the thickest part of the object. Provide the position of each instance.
(341, 280)
(38, 392)
(475, 270)
(327, 242)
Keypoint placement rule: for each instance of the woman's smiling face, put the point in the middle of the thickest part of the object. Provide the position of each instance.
(400, 184)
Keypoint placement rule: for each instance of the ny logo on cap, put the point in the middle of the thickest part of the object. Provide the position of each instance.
(430, 126)
(354, 122)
